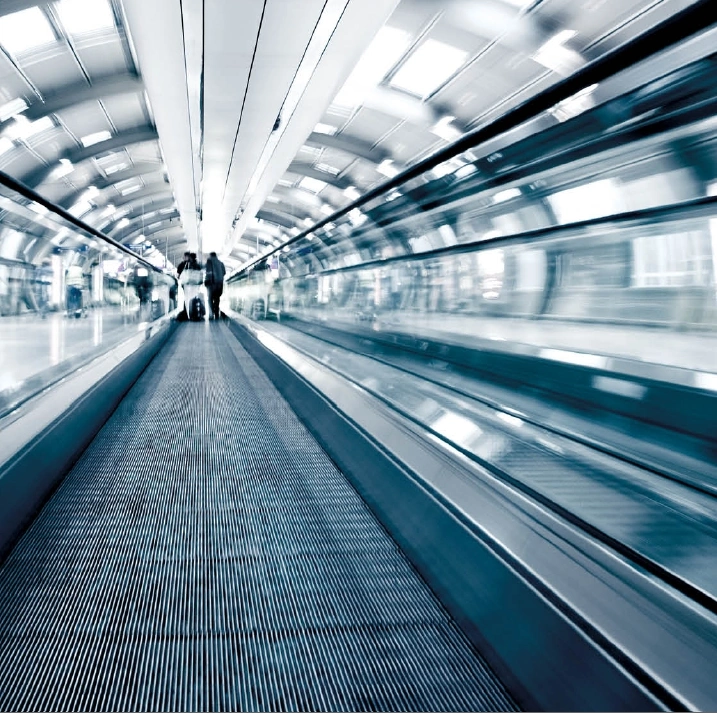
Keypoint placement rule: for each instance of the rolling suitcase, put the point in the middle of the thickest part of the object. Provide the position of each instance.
(196, 309)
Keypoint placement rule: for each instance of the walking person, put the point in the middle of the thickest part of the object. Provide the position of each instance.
(214, 272)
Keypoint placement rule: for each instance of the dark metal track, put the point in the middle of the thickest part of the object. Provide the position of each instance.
(205, 554)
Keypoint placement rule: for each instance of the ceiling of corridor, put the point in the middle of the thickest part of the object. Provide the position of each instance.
(234, 126)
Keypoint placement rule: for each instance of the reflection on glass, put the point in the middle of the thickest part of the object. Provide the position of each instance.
(65, 295)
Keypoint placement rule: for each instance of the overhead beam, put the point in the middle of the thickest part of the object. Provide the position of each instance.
(143, 168)
(119, 141)
(150, 193)
(349, 145)
(167, 232)
(132, 230)
(142, 209)
(72, 94)
(305, 169)
(278, 218)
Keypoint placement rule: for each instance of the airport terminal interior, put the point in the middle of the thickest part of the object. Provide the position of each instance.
(449, 442)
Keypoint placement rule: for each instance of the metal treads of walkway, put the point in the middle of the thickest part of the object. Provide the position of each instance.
(205, 554)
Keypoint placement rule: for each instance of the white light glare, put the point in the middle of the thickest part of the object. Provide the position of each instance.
(79, 16)
(22, 129)
(506, 195)
(130, 190)
(352, 193)
(64, 169)
(80, 208)
(25, 30)
(431, 64)
(312, 184)
(444, 129)
(117, 167)
(95, 138)
(326, 209)
(123, 223)
(12, 108)
(381, 55)
(387, 168)
(554, 55)
(5, 145)
(325, 129)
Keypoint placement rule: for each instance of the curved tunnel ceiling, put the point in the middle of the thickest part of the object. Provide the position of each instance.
(75, 122)
(265, 116)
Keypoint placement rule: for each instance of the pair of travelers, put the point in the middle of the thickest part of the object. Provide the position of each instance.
(189, 262)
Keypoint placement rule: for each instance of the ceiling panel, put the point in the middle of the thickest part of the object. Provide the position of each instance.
(19, 163)
(125, 110)
(103, 57)
(52, 144)
(146, 151)
(370, 125)
(12, 85)
(84, 119)
(408, 140)
(53, 69)
(336, 158)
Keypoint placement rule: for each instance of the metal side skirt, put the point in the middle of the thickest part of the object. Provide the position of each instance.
(547, 658)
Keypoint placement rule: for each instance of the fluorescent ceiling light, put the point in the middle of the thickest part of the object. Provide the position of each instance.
(357, 217)
(506, 195)
(375, 63)
(123, 223)
(117, 167)
(445, 129)
(137, 240)
(553, 55)
(5, 145)
(387, 168)
(312, 184)
(286, 182)
(308, 222)
(95, 138)
(79, 208)
(21, 128)
(326, 209)
(64, 168)
(327, 169)
(272, 199)
(393, 195)
(25, 30)
(12, 108)
(130, 190)
(320, 129)
(352, 192)
(89, 194)
(78, 16)
(171, 209)
(430, 65)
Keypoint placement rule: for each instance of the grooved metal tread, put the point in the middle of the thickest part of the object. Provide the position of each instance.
(205, 554)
